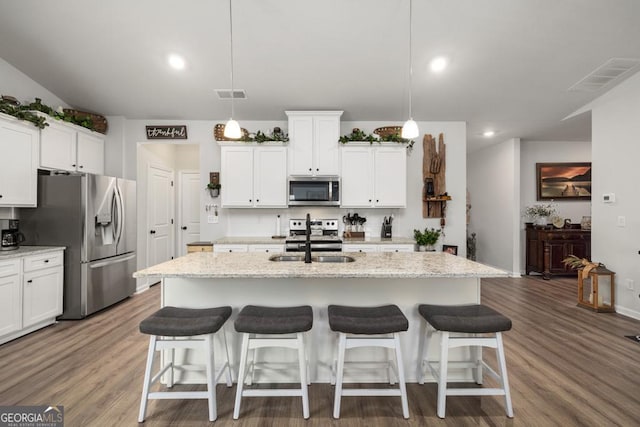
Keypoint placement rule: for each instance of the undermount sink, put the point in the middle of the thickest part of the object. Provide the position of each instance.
(320, 258)
(332, 258)
(286, 258)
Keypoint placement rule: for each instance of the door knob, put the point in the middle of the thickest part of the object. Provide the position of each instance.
(152, 232)
(184, 227)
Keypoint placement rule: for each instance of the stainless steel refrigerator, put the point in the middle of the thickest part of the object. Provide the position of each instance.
(95, 218)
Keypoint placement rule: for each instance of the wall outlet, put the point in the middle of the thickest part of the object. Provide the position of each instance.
(212, 219)
(629, 283)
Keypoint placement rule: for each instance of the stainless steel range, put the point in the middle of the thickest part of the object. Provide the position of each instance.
(324, 235)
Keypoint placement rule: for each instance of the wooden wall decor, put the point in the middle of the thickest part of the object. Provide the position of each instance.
(434, 188)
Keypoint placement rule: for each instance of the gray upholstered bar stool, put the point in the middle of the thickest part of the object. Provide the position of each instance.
(193, 328)
(472, 319)
(368, 327)
(258, 326)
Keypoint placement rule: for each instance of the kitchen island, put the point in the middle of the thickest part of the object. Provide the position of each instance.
(407, 279)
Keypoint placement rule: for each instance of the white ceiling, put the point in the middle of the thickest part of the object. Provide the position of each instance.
(511, 62)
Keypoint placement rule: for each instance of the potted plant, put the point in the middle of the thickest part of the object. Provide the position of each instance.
(539, 214)
(425, 240)
(214, 189)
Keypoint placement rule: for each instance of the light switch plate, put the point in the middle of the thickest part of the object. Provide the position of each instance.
(609, 198)
(622, 221)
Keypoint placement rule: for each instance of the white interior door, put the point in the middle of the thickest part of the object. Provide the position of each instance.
(160, 215)
(188, 209)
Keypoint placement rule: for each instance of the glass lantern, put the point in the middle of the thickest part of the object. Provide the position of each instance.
(597, 290)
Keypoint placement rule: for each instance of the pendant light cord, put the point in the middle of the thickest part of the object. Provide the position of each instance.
(410, 57)
(231, 53)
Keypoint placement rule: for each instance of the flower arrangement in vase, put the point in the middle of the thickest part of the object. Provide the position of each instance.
(539, 214)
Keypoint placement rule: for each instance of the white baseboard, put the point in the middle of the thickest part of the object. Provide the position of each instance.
(634, 314)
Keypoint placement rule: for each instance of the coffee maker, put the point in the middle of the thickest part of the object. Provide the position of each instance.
(10, 234)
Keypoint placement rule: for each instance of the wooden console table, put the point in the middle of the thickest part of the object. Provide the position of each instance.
(547, 246)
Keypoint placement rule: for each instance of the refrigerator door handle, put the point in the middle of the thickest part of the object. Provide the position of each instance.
(110, 261)
(119, 214)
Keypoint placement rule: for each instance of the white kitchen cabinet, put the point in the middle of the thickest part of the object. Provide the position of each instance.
(230, 248)
(253, 177)
(396, 248)
(371, 247)
(19, 170)
(10, 297)
(314, 148)
(266, 248)
(42, 288)
(374, 177)
(70, 148)
(30, 293)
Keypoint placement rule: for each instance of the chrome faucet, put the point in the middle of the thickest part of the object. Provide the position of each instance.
(307, 245)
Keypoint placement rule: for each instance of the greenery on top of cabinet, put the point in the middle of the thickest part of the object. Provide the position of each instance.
(358, 135)
(259, 137)
(26, 112)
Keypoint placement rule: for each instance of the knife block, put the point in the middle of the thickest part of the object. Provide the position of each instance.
(385, 232)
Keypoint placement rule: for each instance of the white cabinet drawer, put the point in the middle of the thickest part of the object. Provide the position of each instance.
(395, 248)
(230, 248)
(38, 262)
(355, 247)
(9, 268)
(266, 248)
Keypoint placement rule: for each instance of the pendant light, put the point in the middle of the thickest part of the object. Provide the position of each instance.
(232, 128)
(410, 127)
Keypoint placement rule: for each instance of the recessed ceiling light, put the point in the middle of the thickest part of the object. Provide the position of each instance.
(488, 133)
(438, 64)
(176, 62)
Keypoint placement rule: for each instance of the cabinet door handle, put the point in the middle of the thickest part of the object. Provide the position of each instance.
(46, 261)
(152, 232)
(184, 227)
(310, 169)
(377, 200)
(0, 196)
(74, 165)
(29, 281)
(369, 200)
(81, 166)
(317, 170)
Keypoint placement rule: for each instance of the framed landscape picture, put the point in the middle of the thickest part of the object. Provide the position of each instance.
(450, 249)
(563, 181)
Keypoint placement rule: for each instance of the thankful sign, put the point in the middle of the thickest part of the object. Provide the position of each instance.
(167, 132)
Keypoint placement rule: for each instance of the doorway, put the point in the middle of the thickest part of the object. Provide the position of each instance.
(169, 194)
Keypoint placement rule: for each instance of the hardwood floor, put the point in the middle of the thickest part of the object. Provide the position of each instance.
(567, 367)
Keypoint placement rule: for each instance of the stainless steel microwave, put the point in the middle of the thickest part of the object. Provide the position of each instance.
(314, 191)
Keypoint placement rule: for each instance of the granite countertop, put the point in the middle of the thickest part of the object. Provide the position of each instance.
(29, 250)
(267, 240)
(366, 265)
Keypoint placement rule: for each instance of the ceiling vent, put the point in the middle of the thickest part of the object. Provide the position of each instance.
(611, 71)
(226, 94)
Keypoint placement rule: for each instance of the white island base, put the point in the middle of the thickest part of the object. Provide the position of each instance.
(319, 293)
(200, 280)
